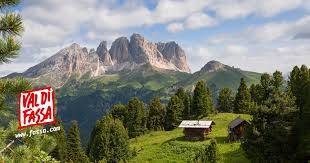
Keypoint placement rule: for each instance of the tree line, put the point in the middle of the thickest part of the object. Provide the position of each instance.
(279, 130)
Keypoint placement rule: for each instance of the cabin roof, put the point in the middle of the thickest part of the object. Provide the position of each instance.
(234, 123)
(196, 124)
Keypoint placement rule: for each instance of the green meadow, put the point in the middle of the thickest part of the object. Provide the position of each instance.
(170, 146)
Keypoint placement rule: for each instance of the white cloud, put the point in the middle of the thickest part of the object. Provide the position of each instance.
(91, 35)
(6, 69)
(194, 21)
(266, 33)
(272, 7)
(270, 32)
(199, 20)
(232, 9)
(107, 19)
(307, 5)
(37, 34)
(72, 17)
(262, 48)
(56, 23)
(282, 30)
(198, 56)
(236, 50)
(175, 27)
(46, 52)
(108, 36)
(258, 58)
(171, 10)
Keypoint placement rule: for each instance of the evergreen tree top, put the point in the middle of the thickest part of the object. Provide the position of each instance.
(8, 3)
(10, 26)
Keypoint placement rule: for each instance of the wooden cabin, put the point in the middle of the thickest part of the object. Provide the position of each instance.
(236, 129)
(195, 129)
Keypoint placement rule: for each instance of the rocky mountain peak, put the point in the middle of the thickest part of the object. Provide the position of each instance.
(103, 53)
(74, 46)
(172, 52)
(213, 66)
(57, 69)
(103, 45)
(123, 54)
(138, 50)
(137, 37)
(119, 50)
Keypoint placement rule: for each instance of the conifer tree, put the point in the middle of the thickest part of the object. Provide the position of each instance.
(294, 81)
(156, 115)
(208, 154)
(299, 85)
(185, 97)
(60, 151)
(109, 141)
(277, 80)
(202, 103)
(242, 101)
(225, 100)
(256, 93)
(136, 121)
(303, 127)
(10, 27)
(304, 78)
(173, 115)
(298, 79)
(74, 149)
(10, 88)
(120, 111)
(212, 151)
(266, 84)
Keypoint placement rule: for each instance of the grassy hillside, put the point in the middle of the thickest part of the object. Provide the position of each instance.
(230, 77)
(170, 146)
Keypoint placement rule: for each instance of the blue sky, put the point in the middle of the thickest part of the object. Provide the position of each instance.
(262, 36)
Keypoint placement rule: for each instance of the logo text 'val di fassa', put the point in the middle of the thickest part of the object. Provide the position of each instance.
(37, 107)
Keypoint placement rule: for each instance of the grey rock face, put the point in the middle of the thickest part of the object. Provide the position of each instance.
(120, 50)
(137, 48)
(139, 51)
(143, 51)
(103, 54)
(174, 54)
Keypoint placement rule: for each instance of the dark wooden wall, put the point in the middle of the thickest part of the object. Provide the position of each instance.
(196, 133)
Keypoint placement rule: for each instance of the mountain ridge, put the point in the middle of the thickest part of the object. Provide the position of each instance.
(124, 53)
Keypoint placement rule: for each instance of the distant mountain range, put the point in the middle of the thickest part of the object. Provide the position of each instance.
(91, 81)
